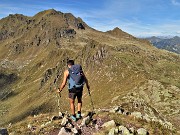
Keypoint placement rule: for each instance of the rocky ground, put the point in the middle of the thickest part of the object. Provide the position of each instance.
(114, 121)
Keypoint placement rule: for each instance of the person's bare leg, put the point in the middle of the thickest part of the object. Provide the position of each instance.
(79, 104)
(72, 106)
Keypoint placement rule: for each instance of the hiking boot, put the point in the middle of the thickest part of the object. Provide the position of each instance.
(73, 118)
(78, 116)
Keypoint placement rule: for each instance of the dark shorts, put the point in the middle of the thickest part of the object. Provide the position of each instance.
(73, 93)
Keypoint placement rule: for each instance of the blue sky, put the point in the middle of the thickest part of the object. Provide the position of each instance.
(137, 17)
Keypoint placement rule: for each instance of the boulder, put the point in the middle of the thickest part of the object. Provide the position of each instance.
(132, 130)
(86, 121)
(109, 124)
(3, 131)
(142, 131)
(112, 131)
(64, 121)
(74, 130)
(116, 130)
(123, 130)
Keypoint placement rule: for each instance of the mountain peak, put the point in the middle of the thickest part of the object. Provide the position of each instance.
(47, 13)
(117, 29)
(117, 32)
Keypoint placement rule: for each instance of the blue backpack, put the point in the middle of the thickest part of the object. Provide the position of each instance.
(76, 77)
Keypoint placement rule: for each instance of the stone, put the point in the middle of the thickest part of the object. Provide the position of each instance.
(69, 125)
(137, 114)
(115, 109)
(86, 121)
(168, 125)
(96, 127)
(64, 131)
(56, 118)
(121, 110)
(3, 131)
(109, 124)
(61, 114)
(147, 118)
(116, 131)
(127, 113)
(64, 121)
(45, 124)
(132, 130)
(112, 131)
(74, 130)
(123, 130)
(42, 125)
(142, 131)
(29, 126)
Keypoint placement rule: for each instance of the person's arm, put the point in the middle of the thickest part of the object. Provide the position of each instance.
(66, 73)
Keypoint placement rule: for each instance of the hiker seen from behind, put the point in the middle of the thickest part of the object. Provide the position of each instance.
(76, 80)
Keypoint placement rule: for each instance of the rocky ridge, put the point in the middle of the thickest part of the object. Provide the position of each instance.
(123, 71)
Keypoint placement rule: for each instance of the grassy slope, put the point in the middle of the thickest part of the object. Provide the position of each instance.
(127, 63)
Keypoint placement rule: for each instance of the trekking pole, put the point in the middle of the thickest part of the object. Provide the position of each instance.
(58, 97)
(92, 104)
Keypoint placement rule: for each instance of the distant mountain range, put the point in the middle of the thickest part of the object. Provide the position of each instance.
(170, 44)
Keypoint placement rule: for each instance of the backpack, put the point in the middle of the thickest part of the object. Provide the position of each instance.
(76, 76)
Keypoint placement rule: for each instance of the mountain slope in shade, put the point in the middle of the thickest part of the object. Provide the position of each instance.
(170, 44)
(35, 50)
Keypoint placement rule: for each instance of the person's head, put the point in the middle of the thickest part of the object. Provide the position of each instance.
(70, 63)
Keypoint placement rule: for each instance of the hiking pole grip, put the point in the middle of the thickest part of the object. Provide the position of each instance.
(89, 91)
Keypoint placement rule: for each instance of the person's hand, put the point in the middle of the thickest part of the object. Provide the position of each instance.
(88, 89)
(58, 90)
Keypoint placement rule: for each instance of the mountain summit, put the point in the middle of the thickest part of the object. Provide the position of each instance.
(132, 82)
(117, 32)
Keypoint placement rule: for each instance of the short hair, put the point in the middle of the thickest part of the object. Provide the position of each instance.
(70, 62)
